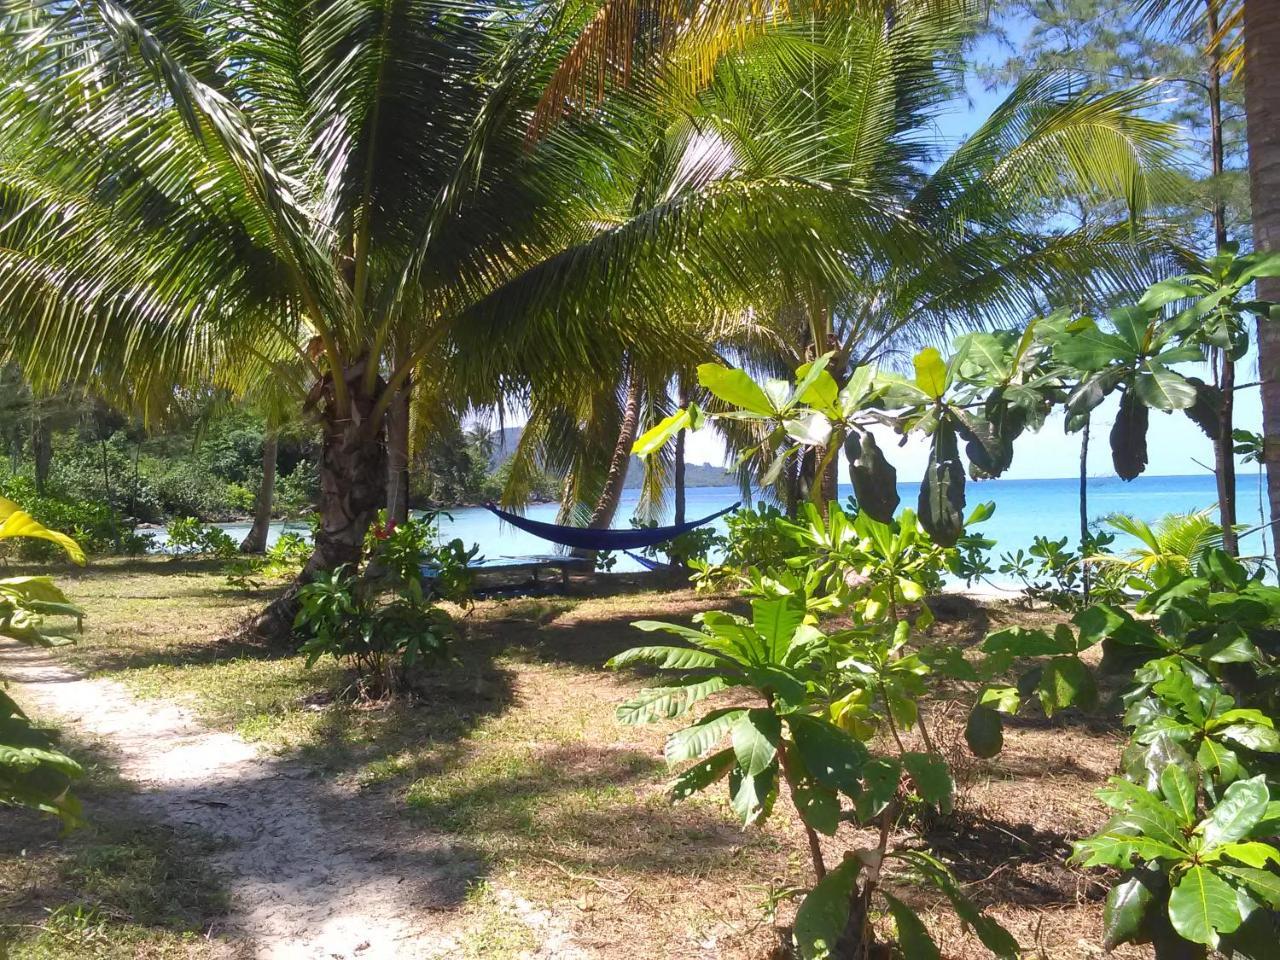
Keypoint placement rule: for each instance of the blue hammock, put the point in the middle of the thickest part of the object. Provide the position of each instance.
(583, 538)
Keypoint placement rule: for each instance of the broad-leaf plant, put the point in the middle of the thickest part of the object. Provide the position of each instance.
(33, 772)
(804, 708)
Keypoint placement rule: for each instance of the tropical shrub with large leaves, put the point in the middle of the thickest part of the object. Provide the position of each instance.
(1174, 322)
(1196, 824)
(803, 713)
(995, 386)
(1195, 875)
(33, 772)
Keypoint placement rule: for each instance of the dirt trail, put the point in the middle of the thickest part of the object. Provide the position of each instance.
(314, 871)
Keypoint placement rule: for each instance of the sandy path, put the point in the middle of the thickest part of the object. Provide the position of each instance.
(314, 871)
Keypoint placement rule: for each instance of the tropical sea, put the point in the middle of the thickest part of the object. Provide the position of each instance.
(1025, 509)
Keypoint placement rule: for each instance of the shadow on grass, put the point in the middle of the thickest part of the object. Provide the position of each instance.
(587, 807)
(121, 879)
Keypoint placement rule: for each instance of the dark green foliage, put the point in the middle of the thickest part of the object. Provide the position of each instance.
(387, 622)
(807, 706)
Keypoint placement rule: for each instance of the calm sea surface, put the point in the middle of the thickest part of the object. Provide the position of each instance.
(1025, 509)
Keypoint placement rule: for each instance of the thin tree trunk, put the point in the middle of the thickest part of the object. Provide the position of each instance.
(682, 400)
(1084, 508)
(42, 454)
(398, 458)
(353, 488)
(255, 540)
(1262, 105)
(1223, 444)
(619, 463)
(616, 478)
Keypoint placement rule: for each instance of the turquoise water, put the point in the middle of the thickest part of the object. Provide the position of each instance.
(1025, 509)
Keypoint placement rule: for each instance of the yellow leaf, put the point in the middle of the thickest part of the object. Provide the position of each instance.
(931, 372)
(18, 523)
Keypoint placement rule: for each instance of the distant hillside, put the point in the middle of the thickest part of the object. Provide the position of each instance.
(695, 475)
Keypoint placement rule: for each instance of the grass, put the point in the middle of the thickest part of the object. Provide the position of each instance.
(118, 887)
(558, 812)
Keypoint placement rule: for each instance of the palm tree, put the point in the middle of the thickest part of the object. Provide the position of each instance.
(349, 187)
(850, 100)
(1169, 548)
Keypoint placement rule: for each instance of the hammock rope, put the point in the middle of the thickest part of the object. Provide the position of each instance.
(584, 538)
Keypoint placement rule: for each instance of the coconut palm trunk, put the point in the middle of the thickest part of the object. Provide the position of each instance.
(353, 488)
(398, 458)
(678, 470)
(255, 540)
(1262, 105)
(616, 478)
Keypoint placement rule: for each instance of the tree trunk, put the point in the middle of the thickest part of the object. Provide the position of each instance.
(42, 453)
(255, 540)
(1223, 443)
(1262, 105)
(682, 400)
(1084, 508)
(616, 478)
(353, 488)
(398, 458)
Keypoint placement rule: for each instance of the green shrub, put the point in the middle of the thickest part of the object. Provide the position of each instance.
(95, 526)
(187, 535)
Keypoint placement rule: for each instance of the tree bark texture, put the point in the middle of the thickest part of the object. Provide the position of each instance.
(1262, 104)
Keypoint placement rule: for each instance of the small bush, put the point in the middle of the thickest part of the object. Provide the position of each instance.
(190, 537)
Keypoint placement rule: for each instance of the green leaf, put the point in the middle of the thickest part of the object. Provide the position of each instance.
(776, 621)
(984, 732)
(874, 480)
(735, 388)
(1264, 883)
(831, 756)
(913, 936)
(702, 774)
(665, 658)
(932, 778)
(693, 741)
(931, 372)
(880, 778)
(1251, 736)
(1216, 758)
(1098, 622)
(653, 439)
(751, 797)
(1251, 853)
(1165, 292)
(1066, 682)
(1242, 806)
(666, 703)
(1089, 348)
(1180, 791)
(1004, 699)
(1162, 389)
(1022, 642)
(824, 913)
(1125, 911)
(818, 806)
(1203, 905)
(817, 388)
(810, 430)
(755, 740)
